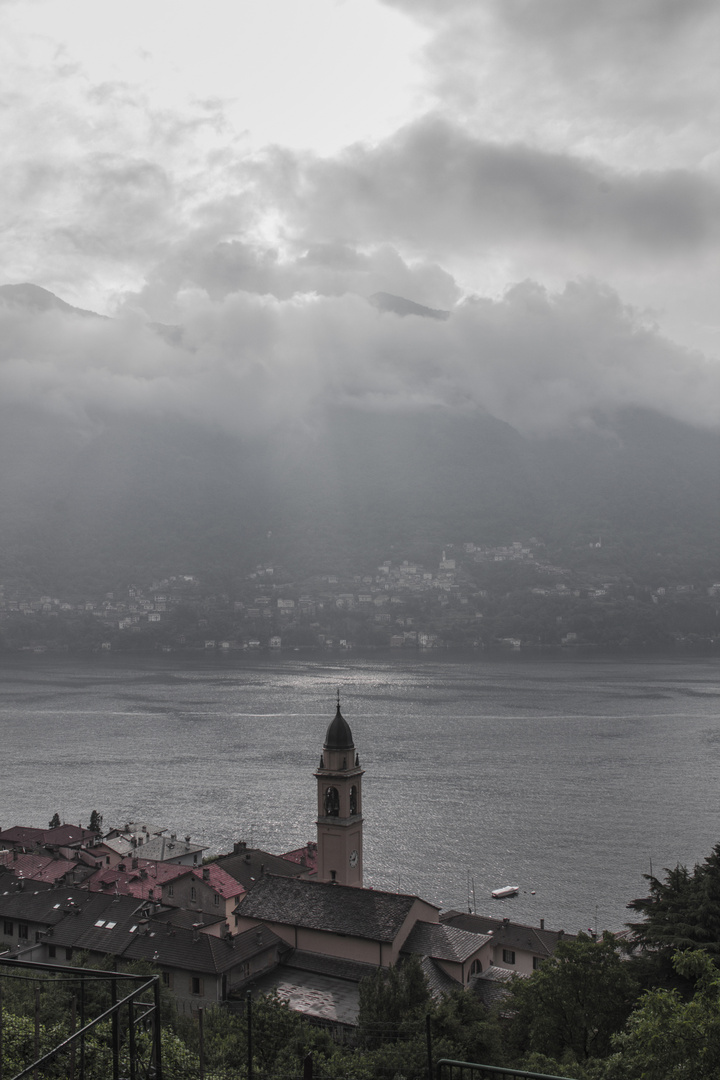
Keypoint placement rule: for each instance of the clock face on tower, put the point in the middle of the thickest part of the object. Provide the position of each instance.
(353, 857)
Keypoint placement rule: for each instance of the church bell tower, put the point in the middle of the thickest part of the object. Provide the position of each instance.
(339, 821)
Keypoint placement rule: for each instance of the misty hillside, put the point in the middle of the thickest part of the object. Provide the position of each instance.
(87, 505)
(145, 498)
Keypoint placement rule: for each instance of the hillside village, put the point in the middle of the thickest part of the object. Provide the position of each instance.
(300, 923)
(513, 595)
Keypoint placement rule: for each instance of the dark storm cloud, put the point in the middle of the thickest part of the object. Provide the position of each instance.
(433, 184)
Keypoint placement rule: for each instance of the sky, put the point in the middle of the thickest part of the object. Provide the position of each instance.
(249, 173)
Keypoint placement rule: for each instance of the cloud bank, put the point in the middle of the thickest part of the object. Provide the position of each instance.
(247, 363)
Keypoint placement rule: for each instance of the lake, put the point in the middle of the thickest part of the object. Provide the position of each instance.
(568, 775)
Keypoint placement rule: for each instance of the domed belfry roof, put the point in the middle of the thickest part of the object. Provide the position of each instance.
(339, 735)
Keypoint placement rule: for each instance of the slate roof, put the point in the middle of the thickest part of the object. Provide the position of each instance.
(249, 865)
(491, 985)
(443, 942)
(439, 982)
(164, 848)
(337, 909)
(201, 953)
(322, 997)
(334, 966)
(103, 924)
(49, 906)
(532, 939)
(187, 919)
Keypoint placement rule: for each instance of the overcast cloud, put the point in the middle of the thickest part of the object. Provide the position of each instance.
(551, 178)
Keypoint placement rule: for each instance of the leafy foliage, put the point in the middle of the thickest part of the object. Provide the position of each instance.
(570, 1008)
(669, 1037)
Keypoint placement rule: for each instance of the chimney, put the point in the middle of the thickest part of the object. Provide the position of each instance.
(542, 924)
(238, 847)
(206, 873)
(134, 863)
(561, 934)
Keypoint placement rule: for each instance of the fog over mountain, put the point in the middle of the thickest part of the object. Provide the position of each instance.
(329, 435)
(388, 273)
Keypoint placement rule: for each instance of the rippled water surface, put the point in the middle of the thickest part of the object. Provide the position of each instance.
(564, 777)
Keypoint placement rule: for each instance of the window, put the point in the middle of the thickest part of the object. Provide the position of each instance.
(537, 961)
(171, 890)
(196, 985)
(51, 951)
(23, 930)
(475, 967)
(165, 975)
(508, 956)
(68, 954)
(8, 927)
(216, 900)
(192, 892)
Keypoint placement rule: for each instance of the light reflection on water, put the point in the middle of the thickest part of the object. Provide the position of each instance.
(563, 777)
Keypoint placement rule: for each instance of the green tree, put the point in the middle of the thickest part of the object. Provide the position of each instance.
(667, 1036)
(570, 1007)
(682, 912)
(393, 1003)
(54, 821)
(95, 822)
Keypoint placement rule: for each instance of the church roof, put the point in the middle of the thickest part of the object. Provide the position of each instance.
(336, 909)
(443, 942)
(339, 735)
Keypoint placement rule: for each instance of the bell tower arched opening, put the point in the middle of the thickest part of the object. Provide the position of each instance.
(339, 806)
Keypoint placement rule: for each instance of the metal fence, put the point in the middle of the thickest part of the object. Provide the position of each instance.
(446, 1069)
(78, 1023)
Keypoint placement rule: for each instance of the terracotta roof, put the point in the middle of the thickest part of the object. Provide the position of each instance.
(512, 935)
(20, 834)
(65, 835)
(443, 942)
(306, 857)
(38, 867)
(338, 909)
(219, 880)
(144, 880)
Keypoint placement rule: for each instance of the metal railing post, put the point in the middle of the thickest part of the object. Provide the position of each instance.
(157, 1030)
(249, 1036)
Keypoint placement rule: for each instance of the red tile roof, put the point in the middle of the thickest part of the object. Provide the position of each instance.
(37, 867)
(305, 856)
(142, 880)
(219, 880)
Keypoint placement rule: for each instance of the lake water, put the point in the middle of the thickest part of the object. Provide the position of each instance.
(563, 776)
